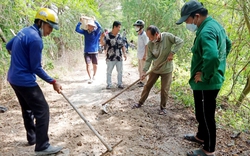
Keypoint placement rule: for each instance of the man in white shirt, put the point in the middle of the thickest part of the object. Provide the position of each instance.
(141, 48)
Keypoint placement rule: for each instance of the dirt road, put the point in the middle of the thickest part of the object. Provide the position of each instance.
(143, 131)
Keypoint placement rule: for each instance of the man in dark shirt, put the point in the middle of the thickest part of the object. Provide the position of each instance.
(115, 50)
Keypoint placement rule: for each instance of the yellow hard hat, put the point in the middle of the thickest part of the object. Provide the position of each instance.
(49, 16)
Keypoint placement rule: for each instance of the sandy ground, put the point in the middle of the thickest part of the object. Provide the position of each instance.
(142, 131)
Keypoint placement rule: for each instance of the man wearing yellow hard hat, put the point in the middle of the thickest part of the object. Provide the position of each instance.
(26, 55)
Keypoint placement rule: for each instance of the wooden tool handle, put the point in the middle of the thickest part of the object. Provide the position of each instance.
(156, 67)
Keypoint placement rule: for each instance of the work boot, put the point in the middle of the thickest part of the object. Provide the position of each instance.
(49, 150)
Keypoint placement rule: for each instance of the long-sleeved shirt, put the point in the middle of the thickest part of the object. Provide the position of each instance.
(91, 39)
(26, 55)
(159, 51)
(210, 50)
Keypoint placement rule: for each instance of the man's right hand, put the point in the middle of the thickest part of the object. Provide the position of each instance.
(81, 18)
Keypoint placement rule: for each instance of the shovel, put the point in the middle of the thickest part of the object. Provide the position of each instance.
(104, 105)
(109, 149)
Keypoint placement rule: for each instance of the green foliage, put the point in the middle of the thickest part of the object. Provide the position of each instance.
(238, 120)
(180, 88)
(133, 55)
(48, 66)
(110, 11)
(4, 62)
(19, 14)
(162, 13)
(159, 13)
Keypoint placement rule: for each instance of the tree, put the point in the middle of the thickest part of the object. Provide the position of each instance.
(246, 11)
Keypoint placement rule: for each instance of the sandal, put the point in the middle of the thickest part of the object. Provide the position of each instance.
(137, 105)
(163, 111)
(191, 137)
(198, 152)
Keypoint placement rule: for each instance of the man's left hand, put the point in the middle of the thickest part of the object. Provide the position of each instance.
(170, 57)
(197, 77)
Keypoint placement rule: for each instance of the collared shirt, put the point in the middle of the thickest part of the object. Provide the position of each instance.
(114, 47)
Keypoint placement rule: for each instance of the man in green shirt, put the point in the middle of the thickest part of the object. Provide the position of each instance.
(161, 47)
(210, 49)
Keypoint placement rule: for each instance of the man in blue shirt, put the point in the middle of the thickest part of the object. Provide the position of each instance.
(26, 55)
(91, 44)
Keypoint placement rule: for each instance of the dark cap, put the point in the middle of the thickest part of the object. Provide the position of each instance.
(187, 9)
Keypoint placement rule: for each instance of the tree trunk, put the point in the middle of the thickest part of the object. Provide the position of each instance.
(246, 90)
(2, 36)
(244, 93)
(60, 45)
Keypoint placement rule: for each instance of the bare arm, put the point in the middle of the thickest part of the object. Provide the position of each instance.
(145, 53)
(102, 39)
(124, 53)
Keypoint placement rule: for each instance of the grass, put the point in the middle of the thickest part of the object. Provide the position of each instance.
(236, 119)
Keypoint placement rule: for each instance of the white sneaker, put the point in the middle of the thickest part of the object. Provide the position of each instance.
(90, 81)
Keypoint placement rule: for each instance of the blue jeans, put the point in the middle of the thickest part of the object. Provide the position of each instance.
(119, 69)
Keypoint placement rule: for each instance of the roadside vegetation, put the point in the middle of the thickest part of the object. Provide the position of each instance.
(233, 108)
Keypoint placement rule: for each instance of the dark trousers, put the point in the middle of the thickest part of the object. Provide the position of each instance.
(34, 105)
(205, 104)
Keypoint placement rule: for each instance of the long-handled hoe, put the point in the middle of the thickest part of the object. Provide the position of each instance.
(109, 149)
(104, 104)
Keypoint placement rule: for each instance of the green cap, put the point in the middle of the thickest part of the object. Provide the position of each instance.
(187, 9)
